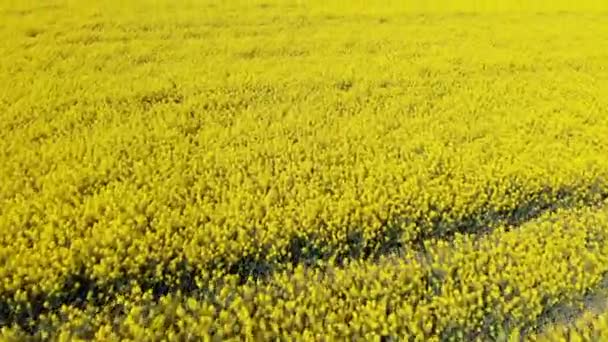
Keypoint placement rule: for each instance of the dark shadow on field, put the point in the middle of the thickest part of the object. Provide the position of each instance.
(80, 289)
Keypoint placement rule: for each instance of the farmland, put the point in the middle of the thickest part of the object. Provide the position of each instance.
(303, 170)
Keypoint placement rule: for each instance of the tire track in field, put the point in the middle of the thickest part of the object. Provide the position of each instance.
(80, 288)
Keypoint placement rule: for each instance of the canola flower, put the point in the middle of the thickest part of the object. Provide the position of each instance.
(171, 148)
(496, 286)
(590, 326)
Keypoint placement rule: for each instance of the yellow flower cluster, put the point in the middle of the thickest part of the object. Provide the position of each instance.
(496, 286)
(590, 326)
(262, 169)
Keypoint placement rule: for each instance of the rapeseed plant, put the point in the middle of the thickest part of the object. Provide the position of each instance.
(307, 170)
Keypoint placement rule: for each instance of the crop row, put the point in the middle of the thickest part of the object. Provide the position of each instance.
(501, 284)
(251, 145)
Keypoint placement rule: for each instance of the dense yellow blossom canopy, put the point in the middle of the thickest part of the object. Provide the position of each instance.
(307, 170)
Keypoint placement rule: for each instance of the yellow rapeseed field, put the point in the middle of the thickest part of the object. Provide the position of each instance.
(303, 170)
